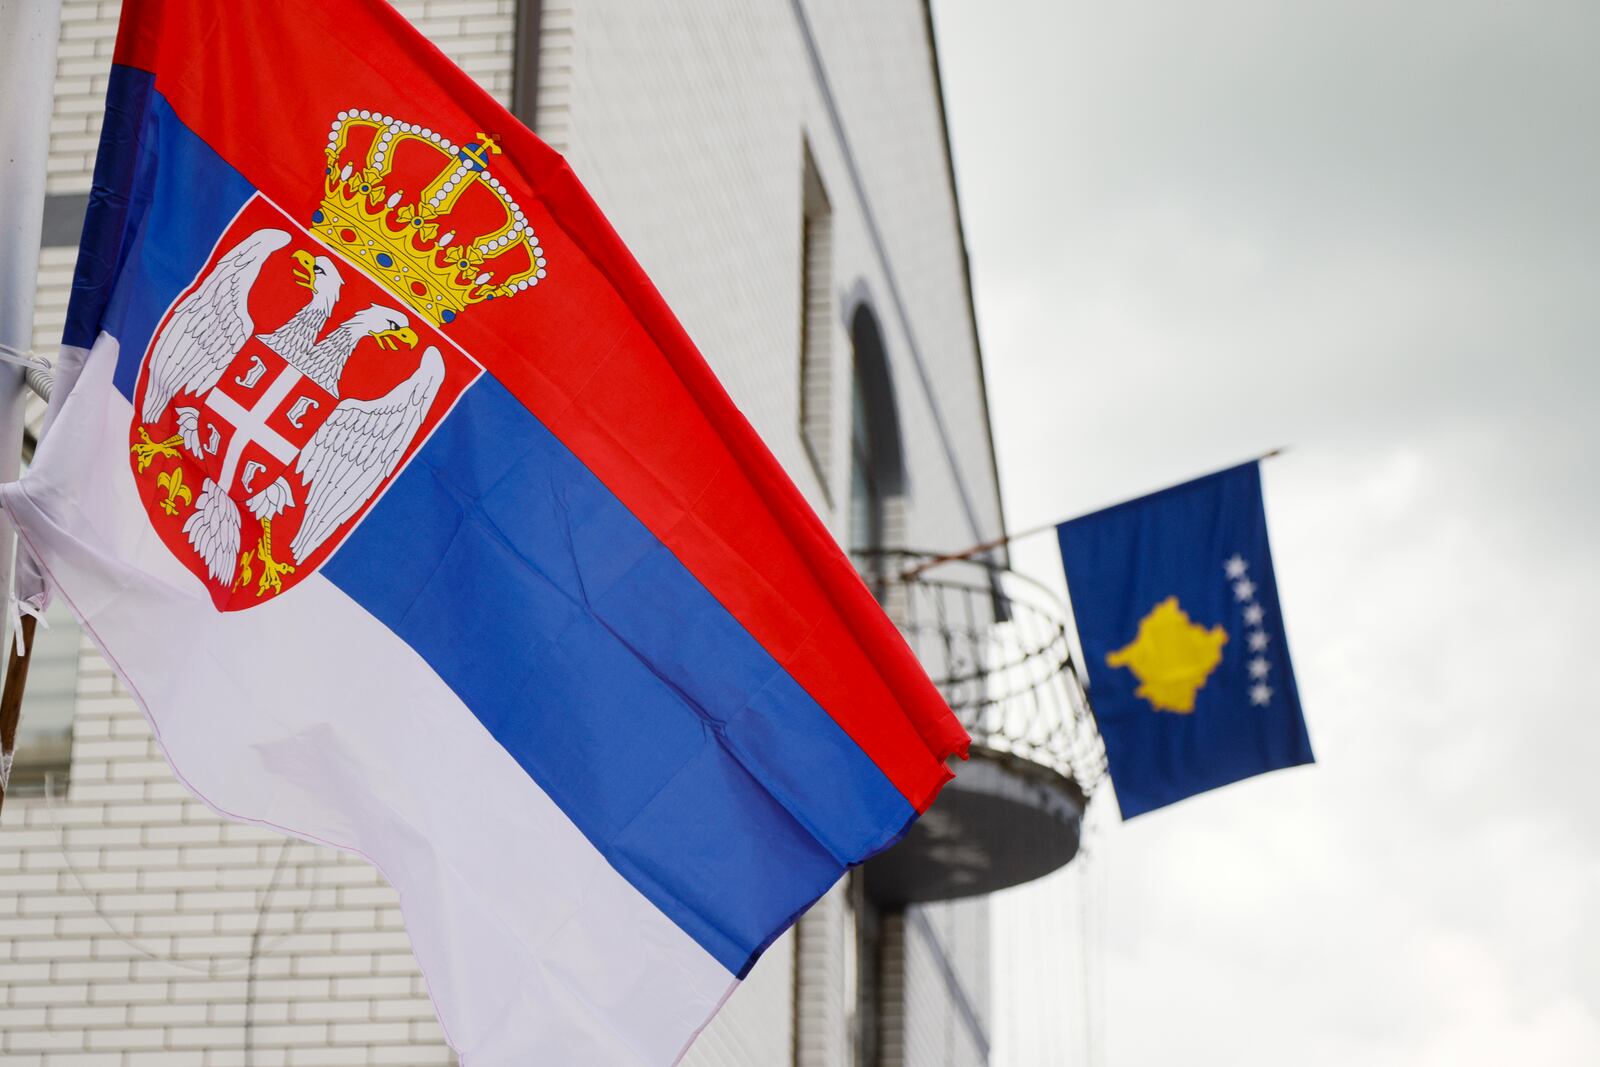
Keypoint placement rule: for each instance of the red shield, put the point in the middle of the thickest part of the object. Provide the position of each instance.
(242, 411)
(256, 419)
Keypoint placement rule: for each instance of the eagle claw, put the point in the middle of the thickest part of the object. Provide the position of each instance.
(272, 572)
(147, 451)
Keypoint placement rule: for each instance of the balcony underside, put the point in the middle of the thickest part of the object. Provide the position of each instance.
(1002, 822)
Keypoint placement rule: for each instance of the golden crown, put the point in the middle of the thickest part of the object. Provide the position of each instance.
(393, 186)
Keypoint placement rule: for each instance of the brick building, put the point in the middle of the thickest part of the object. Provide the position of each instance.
(782, 171)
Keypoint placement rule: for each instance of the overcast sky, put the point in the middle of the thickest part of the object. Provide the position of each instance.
(1369, 230)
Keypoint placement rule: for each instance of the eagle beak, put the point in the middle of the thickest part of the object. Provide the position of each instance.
(305, 267)
(392, 339)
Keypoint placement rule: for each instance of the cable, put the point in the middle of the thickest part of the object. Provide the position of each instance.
(255, 954)
(210, 970)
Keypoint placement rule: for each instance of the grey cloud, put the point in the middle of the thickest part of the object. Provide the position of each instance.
(1369, 230)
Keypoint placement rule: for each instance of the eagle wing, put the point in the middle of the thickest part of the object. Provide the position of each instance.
(209, 326)
(357, 448)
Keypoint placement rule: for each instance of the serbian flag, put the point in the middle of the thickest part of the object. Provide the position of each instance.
(411, 516)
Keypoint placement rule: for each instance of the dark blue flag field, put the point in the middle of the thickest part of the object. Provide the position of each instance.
(1188, 667)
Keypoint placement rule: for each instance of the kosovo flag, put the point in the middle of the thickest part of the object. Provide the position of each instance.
(1177, 610)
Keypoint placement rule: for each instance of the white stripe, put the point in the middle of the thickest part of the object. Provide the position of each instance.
(306, 714)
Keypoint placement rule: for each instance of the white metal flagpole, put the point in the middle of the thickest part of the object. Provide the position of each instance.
(29, 31)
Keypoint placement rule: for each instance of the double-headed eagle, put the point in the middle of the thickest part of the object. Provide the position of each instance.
(350, 455)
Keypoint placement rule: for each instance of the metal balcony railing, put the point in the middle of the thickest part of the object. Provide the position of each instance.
(996, 644)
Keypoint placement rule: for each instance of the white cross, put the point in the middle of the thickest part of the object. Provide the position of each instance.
(250, 424)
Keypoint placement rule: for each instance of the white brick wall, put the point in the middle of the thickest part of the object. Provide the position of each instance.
(686, 121)
(877, 60)
(821, 1006)
(475, 33)
(83, 64)
(128, 911)
(557, 56)
(935, 1033)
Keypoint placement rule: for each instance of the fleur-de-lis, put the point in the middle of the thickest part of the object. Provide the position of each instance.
(370, 183)
(417, 217)
(465, 257)
(172, 482)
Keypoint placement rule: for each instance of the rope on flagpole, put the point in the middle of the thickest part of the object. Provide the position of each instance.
(38, 373)
(22, 357)
(1000, 542)
(11, 699)
(38, 376)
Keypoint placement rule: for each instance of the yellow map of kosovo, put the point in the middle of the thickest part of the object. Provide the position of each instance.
(1172, 656)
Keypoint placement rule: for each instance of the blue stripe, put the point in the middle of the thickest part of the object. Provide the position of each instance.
(670, 737)
(148, 230)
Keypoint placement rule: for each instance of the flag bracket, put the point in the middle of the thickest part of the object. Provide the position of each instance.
(25, 358)
(910, 573)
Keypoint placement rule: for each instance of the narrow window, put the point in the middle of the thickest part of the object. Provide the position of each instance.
(44, 730)
(877, 471)
(816, 324)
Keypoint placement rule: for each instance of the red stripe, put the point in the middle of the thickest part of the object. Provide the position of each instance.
(593, 351)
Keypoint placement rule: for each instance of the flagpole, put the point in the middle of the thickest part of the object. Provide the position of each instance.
(1017, 535)
(29, 33)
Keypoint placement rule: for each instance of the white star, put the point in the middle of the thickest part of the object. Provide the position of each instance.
(1259, 667)
(1235, 567)
(1253, 615)
(1260, 694)
(1258, 641)
(1244, 589)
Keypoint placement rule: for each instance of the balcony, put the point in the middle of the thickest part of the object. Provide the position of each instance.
(996, 644)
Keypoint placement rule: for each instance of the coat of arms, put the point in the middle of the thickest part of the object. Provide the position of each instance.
(304, 367)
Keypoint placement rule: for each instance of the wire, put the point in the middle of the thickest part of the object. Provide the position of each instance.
(1094, 885)
(212, 969)
(255, 954)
